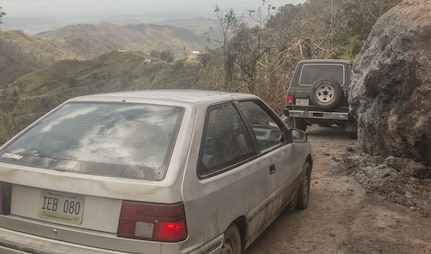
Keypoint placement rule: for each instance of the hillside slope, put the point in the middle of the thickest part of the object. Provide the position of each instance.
(36, 93)
(21, 54)
(143, 37)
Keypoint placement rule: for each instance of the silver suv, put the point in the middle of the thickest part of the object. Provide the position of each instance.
(318, 94)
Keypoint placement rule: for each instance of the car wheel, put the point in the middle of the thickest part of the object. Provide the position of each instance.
(304, 187)
(326, 94)
(232, 241)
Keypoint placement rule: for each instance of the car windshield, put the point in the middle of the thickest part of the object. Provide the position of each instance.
(109, 139)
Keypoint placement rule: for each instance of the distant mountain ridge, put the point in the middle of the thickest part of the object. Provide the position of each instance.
(197, 22)
(138, 37)
(21, 53)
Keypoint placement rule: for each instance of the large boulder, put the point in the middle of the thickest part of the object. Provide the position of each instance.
(390, 93)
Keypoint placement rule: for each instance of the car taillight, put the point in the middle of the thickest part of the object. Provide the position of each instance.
(157, 222)
(289, 99)
(5, 196)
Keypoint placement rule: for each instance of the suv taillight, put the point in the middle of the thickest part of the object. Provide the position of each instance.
(5, 196)
(289, 99)
(157, 222)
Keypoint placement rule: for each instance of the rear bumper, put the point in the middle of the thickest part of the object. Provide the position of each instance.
(343, 116)
(12, 242)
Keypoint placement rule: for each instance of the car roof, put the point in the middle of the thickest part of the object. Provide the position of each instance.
(188, 96)
(325, 61)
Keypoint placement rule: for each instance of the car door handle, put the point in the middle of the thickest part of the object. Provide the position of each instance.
(272, 169)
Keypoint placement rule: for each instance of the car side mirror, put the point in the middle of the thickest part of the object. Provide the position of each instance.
(298, 136)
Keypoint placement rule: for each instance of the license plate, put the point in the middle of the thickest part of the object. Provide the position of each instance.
(302, 102)
(62, 207)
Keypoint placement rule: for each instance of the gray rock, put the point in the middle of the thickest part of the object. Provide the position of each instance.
(408, 167)
(390, 93)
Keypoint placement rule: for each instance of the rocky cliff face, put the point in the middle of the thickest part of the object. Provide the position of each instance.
(391, 88)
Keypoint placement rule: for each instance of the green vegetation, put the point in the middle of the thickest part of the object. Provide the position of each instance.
(260, 59)
(21, 54)
(257, 58)
(36, 93)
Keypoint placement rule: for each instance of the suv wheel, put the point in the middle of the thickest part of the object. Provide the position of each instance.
(326, 94)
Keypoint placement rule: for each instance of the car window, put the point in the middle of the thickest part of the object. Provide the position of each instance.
(266, 128)
(225, 140)
(311, 73)
(109, 139)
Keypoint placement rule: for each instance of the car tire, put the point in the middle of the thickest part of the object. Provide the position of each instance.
(231, 241)
(326, 94)
(304, 187)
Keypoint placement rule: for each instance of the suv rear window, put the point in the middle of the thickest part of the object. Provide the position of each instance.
(108, 139)
(311, 73)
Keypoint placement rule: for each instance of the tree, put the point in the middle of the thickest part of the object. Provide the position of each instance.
(155, 53)
(167, 55)
(227, 26)
(246, 49)
(1, 14)
(247, 58)
(328, 28)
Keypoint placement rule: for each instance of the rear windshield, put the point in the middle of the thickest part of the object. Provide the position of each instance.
(311, 73)
(109, 139)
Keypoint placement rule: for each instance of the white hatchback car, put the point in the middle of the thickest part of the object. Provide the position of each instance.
(161, 171)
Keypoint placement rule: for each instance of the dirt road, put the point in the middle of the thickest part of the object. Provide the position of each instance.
(343, 216)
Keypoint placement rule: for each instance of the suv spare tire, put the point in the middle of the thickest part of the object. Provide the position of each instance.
(326, 93)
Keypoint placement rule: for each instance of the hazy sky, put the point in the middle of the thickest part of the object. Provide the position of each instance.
(37, 8)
